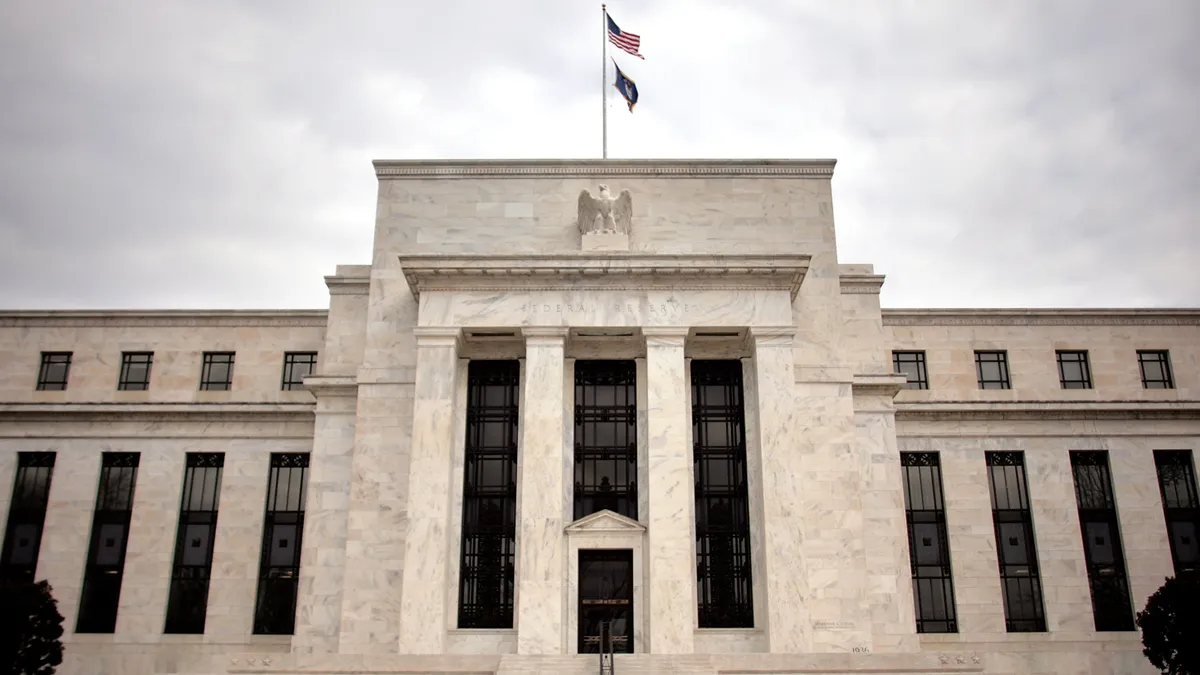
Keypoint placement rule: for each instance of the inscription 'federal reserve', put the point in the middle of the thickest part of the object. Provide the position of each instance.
(657, 309)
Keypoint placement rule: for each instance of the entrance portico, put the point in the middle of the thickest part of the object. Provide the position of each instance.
(661, 312)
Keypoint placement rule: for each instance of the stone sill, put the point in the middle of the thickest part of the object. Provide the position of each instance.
(1047, 410)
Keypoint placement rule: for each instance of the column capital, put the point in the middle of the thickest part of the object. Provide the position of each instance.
(664, 336)
(772, 336)
(437, 336)
(546, 335)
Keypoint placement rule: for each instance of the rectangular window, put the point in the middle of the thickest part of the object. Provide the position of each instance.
(1073, 370)
(1015, 547)
(992, 368)
(216, 374)
(187, 604)
(912, 364)
(52, 376)
(605, 438)
(723, 580)
(279, 564)
(297, 366)
(135, 371)
(489, 525)
(1156, 369)
(26, 517)
(106, 551)
(1181, 508)
(928, 543)
(1103, 553)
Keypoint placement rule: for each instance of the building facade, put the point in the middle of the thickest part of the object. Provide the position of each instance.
(548, 406)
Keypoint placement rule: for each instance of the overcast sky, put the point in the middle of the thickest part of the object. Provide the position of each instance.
(217, 154)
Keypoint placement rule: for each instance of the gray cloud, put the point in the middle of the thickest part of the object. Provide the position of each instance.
(217, 154)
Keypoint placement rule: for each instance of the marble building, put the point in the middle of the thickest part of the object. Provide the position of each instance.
(567, 394)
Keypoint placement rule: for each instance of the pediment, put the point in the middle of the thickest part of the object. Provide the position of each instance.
(606, 521)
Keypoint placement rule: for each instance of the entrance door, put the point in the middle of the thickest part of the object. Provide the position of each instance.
(605, 595)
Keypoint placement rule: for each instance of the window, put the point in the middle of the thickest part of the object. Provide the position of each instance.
(106, 552)
(279, 564)
(992, 368)
(52, 376)
(605, 437)
(1103, 553)
(722, 515)
(296, 366)
(489, 526)
(216, 374)
(928, 543)
(26, 516)
(1073, 370)
(912, 364)
(187, 603)
(1015, 547)
(1181, 508)
(1156, 369)
(135, 371)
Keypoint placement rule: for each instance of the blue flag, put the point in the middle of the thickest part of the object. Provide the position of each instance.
(626, 86)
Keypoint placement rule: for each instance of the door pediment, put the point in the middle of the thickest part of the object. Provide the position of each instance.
(607, 522)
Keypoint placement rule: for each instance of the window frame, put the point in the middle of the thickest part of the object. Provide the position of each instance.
(49, 360)
(1001, 360)
(1076, 357)
(210, 359)
(281, 582)
(1025, 617)
(290, 361)
(1164, 362)
(187, 597)
(922, 381)
(27, 507)
(124, 383)
(932, 512)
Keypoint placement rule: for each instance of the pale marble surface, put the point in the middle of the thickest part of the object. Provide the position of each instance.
(423, 621)
(671, 494)
(541, 559)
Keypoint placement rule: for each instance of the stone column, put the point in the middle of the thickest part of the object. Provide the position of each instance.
(541, 543)
(773, 365)
(670, 495)
(423, 595)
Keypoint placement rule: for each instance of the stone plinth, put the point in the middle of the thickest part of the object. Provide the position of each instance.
(605, 241)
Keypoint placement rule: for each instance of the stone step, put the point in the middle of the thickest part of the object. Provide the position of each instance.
(589, 664)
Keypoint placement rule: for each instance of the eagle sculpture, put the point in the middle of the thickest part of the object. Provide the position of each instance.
(605, 213)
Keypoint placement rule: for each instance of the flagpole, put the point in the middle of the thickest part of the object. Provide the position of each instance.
(604, 78)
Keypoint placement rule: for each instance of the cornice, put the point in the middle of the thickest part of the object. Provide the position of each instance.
(955, 411)
(1041, 317)
(156, 412)
(614, 271)
(391, 169)
(331, 385)
(865, 284)
(306, 318)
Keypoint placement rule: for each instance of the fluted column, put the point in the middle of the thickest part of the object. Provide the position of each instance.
(670, 495)
(541, 543)
(773, 367)
(423, 595)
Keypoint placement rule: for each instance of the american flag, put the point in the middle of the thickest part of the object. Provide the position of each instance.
(624, 40)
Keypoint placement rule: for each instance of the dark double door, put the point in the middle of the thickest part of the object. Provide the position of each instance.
(605, 595)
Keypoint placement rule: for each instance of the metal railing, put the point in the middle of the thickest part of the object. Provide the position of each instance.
(606, 640)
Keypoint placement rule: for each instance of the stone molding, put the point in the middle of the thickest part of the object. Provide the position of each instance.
(771, 336)
(954, 411)
(156, 412)
(603, 271)
(231, 318)
(1041, 317)
(331, 385)
(605, 521)
(865, 284)
(437, 336)
(342, 285)
(392, 169)
(878, 385)
(665, 336)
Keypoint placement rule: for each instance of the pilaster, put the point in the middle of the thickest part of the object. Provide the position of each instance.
(541, 543)
(423, 610)
(670, 497)
(788, 629)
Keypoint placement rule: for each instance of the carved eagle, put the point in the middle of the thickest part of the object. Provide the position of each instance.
(605, 213)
